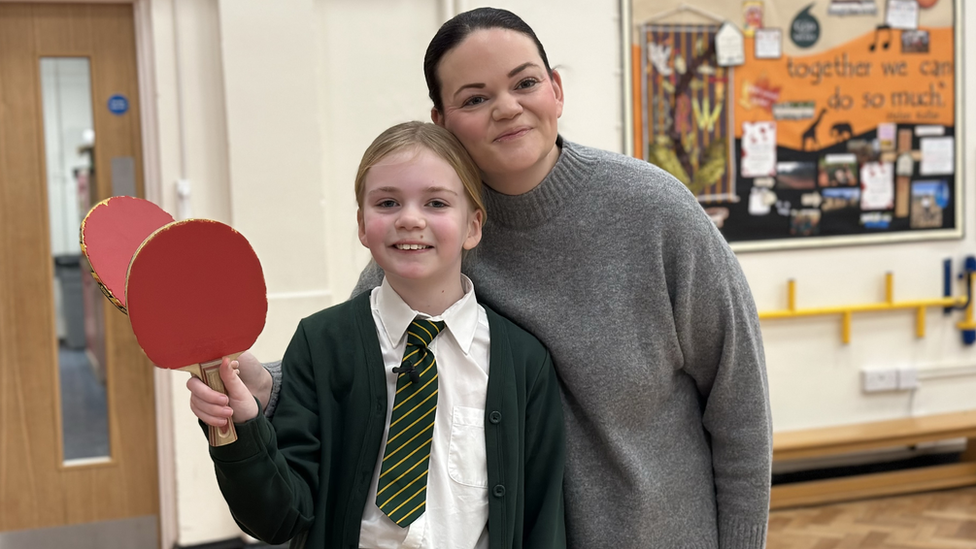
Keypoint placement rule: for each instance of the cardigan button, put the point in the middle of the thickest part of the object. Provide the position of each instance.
(498, 491)
(495, 417)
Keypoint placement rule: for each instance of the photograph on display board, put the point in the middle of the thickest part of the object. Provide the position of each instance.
(838, 170)
(840, 199)
(929, 199)
(800, 176)
(854, 95)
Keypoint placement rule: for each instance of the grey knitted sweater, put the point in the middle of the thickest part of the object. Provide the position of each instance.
(615, 267)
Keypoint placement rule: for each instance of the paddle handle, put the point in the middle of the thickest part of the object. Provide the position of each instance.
(209, 373)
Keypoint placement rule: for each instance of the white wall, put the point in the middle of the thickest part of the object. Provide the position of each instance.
(188, 76)
(280, 99)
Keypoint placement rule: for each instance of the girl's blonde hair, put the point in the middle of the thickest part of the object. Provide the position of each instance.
(433, 138)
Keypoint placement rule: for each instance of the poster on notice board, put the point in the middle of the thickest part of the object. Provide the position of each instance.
(837, 127)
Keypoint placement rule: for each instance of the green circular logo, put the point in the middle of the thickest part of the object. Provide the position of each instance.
(805, 30)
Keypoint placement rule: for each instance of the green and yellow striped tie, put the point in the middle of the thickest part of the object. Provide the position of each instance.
(402, 490)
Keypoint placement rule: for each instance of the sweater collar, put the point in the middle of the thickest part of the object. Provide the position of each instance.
(537, 206)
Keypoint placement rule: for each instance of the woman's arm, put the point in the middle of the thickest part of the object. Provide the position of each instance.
(718, 328)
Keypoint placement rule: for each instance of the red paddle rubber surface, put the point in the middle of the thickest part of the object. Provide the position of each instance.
(195, 293)
(111, 233)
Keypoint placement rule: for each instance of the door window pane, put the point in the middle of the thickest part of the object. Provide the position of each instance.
(69, 141)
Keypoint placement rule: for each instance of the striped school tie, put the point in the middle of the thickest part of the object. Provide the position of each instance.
(402, 490)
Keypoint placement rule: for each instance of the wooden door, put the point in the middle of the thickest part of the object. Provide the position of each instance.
(38, 488)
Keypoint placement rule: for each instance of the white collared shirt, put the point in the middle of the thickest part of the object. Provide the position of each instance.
(456, 516)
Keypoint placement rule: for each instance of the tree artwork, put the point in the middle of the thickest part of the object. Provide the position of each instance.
(684, 106)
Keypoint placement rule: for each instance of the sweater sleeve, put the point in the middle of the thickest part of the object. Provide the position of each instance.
(719, 336)
(545, 454)
(273, 368)
(269, 475)
(371, 277)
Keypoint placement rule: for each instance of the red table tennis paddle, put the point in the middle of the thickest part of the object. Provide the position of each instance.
(110, 233)
(195, 293)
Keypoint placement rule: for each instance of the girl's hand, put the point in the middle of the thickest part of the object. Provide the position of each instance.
(214, 408)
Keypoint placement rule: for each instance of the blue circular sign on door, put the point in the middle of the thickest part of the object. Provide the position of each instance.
(118, 104)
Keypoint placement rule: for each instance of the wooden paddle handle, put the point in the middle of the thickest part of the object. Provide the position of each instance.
(209, 373)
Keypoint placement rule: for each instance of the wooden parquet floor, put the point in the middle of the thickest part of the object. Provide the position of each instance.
(934, 520)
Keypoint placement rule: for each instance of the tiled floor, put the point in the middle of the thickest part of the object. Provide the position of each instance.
(933, 520)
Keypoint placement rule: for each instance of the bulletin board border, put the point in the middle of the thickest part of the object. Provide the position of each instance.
(962, 198)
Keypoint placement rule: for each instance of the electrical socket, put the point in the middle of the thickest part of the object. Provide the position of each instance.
(873, 381)
(907, 378)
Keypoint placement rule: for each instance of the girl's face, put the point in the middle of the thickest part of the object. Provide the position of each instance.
(503, 106)
(416, 218)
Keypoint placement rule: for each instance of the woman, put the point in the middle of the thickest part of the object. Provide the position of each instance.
(611, 263)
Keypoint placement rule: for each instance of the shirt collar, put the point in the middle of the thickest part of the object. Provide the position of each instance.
(461, 318)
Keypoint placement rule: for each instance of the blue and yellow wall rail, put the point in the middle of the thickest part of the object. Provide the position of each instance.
(948, 303)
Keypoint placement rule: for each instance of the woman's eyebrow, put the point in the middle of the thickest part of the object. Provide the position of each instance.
(467, 86)
(521, 68)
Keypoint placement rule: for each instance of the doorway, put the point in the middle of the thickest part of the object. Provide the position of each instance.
(78, 457)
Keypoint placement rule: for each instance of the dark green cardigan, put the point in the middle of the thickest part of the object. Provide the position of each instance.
(305, 476)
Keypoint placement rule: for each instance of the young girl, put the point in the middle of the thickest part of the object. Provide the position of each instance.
(389, 431)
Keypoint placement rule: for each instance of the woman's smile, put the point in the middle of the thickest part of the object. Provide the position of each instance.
(513, 134)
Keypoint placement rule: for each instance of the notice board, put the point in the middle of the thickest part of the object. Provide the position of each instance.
(803, 124)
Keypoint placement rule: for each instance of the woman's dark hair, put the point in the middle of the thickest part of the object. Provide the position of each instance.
(457, 29)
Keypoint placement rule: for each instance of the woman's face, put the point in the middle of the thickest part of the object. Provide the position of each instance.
(502, 105)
